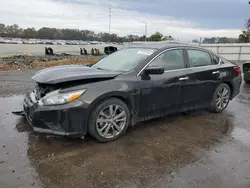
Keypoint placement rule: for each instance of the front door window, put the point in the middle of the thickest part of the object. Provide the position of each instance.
(170, 60)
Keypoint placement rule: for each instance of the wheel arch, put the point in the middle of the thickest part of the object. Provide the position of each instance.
(118, 95)
(229, 83)
(231, 88)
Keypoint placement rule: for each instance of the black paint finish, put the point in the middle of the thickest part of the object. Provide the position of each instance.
(68, 73)
(147, 96)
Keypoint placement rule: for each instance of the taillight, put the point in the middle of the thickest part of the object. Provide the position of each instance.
(237, 70)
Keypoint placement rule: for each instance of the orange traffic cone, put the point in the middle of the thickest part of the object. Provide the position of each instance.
(27, 53)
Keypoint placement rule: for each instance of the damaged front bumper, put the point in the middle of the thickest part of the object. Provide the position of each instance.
(68, 119)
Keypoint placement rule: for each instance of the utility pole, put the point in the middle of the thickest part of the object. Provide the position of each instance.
(109, 18)
(248, 26)
(146, 28)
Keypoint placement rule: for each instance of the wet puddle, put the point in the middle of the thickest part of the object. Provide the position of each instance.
(200, 149)
(242, 135)
(15, 167)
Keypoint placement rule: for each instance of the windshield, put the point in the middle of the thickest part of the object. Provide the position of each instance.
(124, 60)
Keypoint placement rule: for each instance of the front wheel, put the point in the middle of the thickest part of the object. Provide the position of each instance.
(109, 120)
(221, 98)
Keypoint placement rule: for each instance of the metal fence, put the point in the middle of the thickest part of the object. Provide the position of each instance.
(233, 52)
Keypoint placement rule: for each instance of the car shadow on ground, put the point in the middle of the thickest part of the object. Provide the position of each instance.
(150, 150)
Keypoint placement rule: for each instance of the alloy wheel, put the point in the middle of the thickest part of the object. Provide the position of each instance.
(222, 98)
(111, 121)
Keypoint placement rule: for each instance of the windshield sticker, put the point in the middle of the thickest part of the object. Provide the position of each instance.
(145, 52)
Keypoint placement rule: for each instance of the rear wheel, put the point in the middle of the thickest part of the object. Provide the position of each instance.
(109, 120)
(221, 98)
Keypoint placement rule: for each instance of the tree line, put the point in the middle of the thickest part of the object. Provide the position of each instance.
(15, 31)
(214, 40)
(245, 36)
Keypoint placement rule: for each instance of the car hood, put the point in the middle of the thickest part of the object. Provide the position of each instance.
(66, 73)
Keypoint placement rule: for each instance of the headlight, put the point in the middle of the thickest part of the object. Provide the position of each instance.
(56, 98)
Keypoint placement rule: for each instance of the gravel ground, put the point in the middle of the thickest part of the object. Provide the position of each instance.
(30, 62)
(19, 81)
(16, 82)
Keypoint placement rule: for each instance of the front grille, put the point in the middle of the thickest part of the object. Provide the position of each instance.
(42, 89)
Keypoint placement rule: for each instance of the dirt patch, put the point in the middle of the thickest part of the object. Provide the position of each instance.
(41, 64)
(64, 62)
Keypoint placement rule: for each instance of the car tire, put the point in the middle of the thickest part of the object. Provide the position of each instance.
(101, 120)
(221, 98)
(247, 81)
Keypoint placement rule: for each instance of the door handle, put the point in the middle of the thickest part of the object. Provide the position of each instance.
(183, 78)
(216, 72)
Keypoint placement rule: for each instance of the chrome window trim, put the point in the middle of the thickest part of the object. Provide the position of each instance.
(220, 61)
(188, 68)
(213, 54)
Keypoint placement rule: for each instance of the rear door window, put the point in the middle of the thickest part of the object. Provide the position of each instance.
(170, 60)
(198, 58)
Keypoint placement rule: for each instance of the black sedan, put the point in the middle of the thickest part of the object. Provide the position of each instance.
(134, 84)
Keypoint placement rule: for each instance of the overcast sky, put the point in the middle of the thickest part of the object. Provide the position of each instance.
(183, 19)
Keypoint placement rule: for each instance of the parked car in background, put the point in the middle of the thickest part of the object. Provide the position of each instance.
(7, 40)
(246, 71)
(1, 40)
(131, 85)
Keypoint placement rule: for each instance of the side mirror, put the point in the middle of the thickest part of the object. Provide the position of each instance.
(154, 70)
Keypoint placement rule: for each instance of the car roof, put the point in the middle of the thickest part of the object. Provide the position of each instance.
(162, 45)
